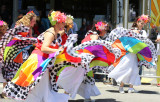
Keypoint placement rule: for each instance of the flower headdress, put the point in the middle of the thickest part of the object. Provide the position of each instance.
(57, 16)
(30, 12)
(2, 23)
(100, 26)
(145, 18)
(69, 16)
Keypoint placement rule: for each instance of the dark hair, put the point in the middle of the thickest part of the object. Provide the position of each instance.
(94, 28)
(49, 14)
(135, 22)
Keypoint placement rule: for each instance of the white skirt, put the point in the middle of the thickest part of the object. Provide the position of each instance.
(70, 79)
(43, 93)
(87, 90)
(2, 80)
(127, 70)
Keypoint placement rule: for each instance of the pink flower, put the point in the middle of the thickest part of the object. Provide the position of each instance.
(1, 23)
(145, 18)
(100, 26)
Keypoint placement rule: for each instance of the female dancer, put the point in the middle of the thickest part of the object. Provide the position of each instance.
(69, 24)
(29, 75)
(76, 68)
(126, 67)
(88, 89)
(14, 42)
(3, 29)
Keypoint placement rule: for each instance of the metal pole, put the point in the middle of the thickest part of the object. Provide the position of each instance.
(148, 12)
(15, 10)
(143, 7)
(125, 20)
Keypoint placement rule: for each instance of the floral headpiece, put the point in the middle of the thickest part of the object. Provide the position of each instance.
(30, 12)
(69, 16)
(100, 26)
(2, 23)
(145, 18)
(57, 16)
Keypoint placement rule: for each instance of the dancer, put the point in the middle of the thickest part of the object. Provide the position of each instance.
(3, 30)
(69, 24)
(32, 81)
(77, 66)
(14, 42)
(136, 49)
(88, 89)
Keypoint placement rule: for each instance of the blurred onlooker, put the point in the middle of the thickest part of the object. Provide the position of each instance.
(3, 13)
(45, 23)
(81, 32)
(5, 16)
(18, 18)
(153, 35)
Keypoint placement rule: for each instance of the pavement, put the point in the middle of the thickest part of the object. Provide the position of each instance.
(148, 92)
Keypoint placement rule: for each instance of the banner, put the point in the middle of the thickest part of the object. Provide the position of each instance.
(155, 13)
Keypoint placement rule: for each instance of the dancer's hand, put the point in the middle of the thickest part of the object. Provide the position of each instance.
(61, 48)
(157, 40)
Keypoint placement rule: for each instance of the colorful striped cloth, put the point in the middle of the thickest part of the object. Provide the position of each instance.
(89, 55)
(13, 43)
(32, 70)
(130, 42)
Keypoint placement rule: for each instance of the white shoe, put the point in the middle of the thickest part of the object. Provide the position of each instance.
(132, 90)
(121, 90)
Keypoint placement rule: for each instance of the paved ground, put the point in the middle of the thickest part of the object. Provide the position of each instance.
(147, 93)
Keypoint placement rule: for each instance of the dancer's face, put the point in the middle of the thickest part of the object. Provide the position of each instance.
(61, 25)
(140, 24)
(103, 32)
(3, 29)
(33, 22)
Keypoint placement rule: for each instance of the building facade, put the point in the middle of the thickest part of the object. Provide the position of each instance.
(116, 12)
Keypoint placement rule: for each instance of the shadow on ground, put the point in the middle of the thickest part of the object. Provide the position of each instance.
(97, 100)
(113, 91)
(139, 92)
(148, 92)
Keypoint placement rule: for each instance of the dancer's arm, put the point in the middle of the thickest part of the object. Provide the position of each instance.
(48, 38)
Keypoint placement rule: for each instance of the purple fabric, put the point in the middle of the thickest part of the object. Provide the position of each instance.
(51, 55)
(97, 50)
(11, 42)
(146, 52)
(41, 59)
(38, 71)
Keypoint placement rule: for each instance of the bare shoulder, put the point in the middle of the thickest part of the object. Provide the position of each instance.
(50, 31)
(94, 36)
(136, 31)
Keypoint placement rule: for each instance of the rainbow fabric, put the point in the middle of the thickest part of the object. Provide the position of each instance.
(35, 64)
(103, 58)
(132, 45)
(13, 43)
